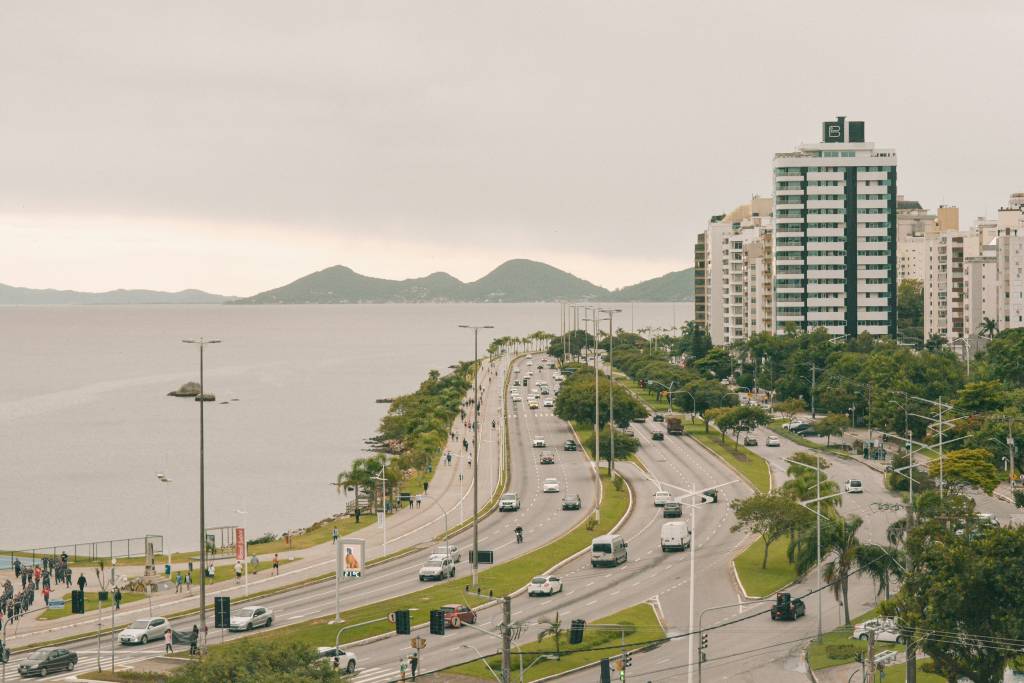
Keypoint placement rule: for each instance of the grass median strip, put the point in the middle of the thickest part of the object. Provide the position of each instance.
(91, 602)
(758, 582)
(501, 580)
(641, 625)
(743, 460)
(776, 427)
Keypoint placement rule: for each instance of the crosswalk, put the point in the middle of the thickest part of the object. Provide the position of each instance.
(377, 675)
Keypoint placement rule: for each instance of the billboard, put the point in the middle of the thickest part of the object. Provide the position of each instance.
(352, 553)
(239, 543)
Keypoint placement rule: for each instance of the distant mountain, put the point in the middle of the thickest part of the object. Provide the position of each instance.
(41, 297)
(517, 280)
(674, 286)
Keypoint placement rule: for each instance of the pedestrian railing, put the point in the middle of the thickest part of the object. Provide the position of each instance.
(93, 551)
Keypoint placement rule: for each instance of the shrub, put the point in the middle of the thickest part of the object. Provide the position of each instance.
(841, 651)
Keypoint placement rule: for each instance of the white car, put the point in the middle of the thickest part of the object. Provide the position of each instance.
(437, 568)
(529, 362)
(248, 618)
(548, 403)
(551, 485)
(516, 398)
(661, 497)
(886, 630)
(450, 551)
(509, 502)
(544, 585)
(539, 442)
(854, 486)
(341, 660)
(772, 441)
(793, 425)
(142, 631)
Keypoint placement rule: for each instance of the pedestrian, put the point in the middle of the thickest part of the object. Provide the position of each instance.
(238, 571)
(358, 512)
(401, 668)
(178, 580)
(193, 641)
(81, 582)
(46, 595)
(117, 598)
(24, 579)
(277, 565)
(334, 535)
(414, 662)
(419, 500)
(188, 582)
(17, 569)
(37, 574)
(255, 564)
(168, 641)
(190, 566)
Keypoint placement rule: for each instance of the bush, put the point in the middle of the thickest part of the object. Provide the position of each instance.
(928, 667)
(1018, 498)
(619, 484)
(842, 651)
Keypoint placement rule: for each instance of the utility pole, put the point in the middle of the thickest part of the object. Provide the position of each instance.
(476, 445)
(814, 381)
(611, 388)
(506, 639)
(871, 656)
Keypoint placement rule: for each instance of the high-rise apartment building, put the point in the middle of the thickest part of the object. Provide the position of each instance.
(1010, 263)
(944, 285)
(736, 253)
(835, 234)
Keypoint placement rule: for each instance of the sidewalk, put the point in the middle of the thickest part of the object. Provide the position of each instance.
(406, 528)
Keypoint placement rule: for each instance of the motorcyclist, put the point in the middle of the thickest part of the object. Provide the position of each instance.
(519, 534)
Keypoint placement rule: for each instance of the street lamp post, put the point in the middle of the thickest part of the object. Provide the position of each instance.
(201, 343)
(611, 387)
(476, 448)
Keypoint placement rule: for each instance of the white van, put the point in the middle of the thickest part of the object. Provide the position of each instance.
(675, 536)
(608, 551)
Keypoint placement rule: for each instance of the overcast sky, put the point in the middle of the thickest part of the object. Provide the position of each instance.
(235, 146)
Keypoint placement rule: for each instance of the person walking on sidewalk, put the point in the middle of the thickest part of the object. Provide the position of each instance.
(193, 641)
(168, 642)
(414, 662)
(334, 536)
(117, 598)
(255, 562)
(46, 595)
(188, 582)
(277, 565)
(177, 581)
(82, 582)
(238, 571)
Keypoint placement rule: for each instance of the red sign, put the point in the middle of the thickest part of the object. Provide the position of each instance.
(239, 543)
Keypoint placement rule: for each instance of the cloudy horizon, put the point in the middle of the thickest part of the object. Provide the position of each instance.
(237, 146)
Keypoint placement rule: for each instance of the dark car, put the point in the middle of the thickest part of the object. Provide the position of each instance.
(672, 509)
(658, 417)
(547, 458)
(45, 662)
(571, 501)
(658, 436)
(570, 445)
(456, 615)
(787, 608)
(640, 419)
(710, 496)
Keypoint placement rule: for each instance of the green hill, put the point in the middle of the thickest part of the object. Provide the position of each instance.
(674, 286)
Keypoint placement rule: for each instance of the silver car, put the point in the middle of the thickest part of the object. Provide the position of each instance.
(142, 631)
(248, 618)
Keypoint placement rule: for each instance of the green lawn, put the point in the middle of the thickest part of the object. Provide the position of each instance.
(759, 582)
(91, 603)
(661, 405)
(643, 626)
(501, 580)
(743, 460)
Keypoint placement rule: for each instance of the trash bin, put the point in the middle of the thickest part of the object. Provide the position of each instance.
(167, 569)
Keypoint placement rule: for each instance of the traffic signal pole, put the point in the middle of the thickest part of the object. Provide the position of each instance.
(506, 639)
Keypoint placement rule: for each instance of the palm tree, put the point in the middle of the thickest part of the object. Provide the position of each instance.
(882, 564)
(988, 328)
(551, 626)
(358, 475)
(839, 544)
(896, 532)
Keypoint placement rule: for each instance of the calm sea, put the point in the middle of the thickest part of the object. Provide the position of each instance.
(85, 423)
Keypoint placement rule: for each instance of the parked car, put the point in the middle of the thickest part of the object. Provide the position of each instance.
(46, 661)
(141, 631)
(749, 440)
(886, 630)
(570, 445)
(658, 436)
(672, 508)
(551, 485)
(793, 424)
(539, 442)
(438, 568)
(628, 431)
(248, 618)
(342, 660)
(658, 417)
(456, 615)
(547, 458)
(509, 502)
(608, 550)
(450, 551)
(544, 585)
(571, 501)
(675, 536)
(854, 486)
(772, 441)
(787, 608)
(661, 497)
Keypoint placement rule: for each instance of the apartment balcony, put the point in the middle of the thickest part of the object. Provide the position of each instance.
(873, 175)
(873, 287)
(872, 260)
(813, 204)
(824, 176)
(872, 315)
(872, 204)
(873, 218)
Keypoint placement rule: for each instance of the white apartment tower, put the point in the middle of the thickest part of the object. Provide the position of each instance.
(835, 234)
(1010, 263)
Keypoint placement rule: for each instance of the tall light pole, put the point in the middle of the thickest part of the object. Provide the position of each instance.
(597, 404)
(611, 387)
(476, 454)
(201, 343)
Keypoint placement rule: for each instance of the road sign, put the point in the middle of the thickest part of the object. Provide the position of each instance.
(240, 546)
(391, 617)
(486, 556)
(418, 643)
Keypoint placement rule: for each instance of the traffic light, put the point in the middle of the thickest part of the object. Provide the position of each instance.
(403, 625)
(606, 671)
(576, 631)
(222, 612)
(704, 641)
(627, 660)
(77, 602)
(437, 622)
